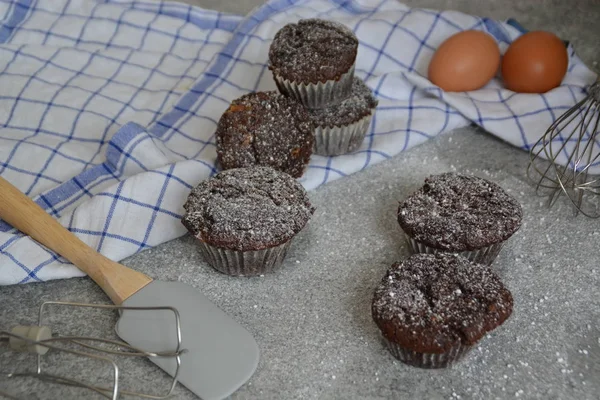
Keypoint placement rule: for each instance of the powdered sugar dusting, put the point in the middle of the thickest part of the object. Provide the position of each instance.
(431, 302)
(247, 209)
(313, 50)
(460, 212)
(358, 105)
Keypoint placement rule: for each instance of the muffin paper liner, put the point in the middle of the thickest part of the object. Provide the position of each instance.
(485, 255)
(244, 263)
(428, 360)
(319, 95)
(333, 141)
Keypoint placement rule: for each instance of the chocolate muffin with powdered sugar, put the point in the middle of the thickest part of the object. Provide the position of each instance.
(245, 218)
(462, 214)
(265, 128)
(313, 61)
(433, 308)
(341, 128)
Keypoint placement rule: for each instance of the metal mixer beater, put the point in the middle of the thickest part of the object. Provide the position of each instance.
(39, 340)
(574, 139)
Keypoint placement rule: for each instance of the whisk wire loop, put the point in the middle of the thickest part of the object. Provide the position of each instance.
(565, 159)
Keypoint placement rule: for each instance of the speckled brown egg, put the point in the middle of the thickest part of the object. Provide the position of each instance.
(535, 63)
(466, 61)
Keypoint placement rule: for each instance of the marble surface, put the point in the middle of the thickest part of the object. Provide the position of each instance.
(312, 319)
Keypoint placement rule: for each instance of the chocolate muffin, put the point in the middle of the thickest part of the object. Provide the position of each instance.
(433, 308)
(341, 128)
(461, 214)
(313, 61)
(265, 128)
(245, 218)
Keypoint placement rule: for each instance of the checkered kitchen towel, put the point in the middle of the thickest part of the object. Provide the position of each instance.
(108, 109)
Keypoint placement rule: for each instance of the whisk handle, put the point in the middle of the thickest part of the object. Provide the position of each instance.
(117, 281)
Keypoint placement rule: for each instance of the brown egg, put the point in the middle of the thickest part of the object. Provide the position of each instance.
(535, 63)
(465, 61)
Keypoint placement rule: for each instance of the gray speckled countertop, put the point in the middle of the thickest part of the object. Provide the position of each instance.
(312, 319)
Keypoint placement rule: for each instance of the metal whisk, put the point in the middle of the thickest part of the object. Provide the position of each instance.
(566, 159)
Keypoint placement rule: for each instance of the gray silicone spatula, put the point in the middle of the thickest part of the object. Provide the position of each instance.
(221, 355)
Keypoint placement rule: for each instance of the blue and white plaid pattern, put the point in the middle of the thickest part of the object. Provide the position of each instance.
(108, 109)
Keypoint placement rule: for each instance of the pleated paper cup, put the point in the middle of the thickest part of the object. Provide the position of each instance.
(317, 95)
(244, 263)
(337, 140)
(428, 360)
(485, 255)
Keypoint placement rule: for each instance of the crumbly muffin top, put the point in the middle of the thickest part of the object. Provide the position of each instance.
(358, 105)
(313, 50)
(431, 302)
(458, 212)
(265, 128)
(247, 209)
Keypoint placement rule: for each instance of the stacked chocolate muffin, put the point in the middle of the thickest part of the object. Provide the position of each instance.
(245, 216)
(266, 129)
(313, 61)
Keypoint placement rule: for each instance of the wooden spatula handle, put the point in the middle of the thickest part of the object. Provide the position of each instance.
(117, 281)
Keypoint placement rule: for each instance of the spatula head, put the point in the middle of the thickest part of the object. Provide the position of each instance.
(221, 355)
